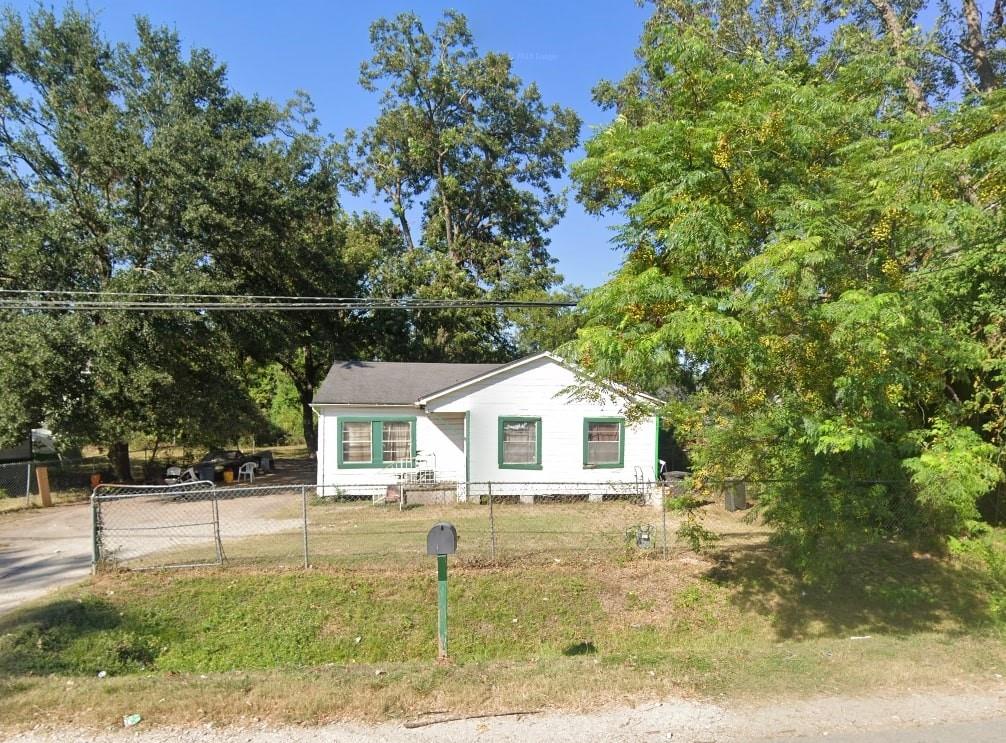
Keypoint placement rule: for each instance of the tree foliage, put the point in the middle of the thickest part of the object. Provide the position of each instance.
(137, 168)
(106, 154)
(462, 143)
(813, 235)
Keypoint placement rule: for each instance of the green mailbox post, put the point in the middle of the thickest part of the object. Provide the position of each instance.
(441, 541)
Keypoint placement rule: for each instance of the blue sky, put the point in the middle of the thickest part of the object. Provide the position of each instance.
(276, 48)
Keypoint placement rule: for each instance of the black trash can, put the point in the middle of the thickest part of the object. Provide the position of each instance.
(205, 471)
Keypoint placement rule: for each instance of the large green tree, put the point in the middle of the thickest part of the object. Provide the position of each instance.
(286, 235)
(119, 165)
(813, 238)
(466, 156)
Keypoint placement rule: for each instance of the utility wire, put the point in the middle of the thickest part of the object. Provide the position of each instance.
(253, 297)
(223, 307)
(65, 300)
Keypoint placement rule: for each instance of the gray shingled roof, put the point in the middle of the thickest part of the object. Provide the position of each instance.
(391, 382)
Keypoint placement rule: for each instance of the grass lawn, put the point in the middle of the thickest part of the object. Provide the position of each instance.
(267, 530)
(233, 644)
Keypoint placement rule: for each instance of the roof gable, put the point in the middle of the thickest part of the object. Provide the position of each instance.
(390, 382)
(418, 383)
(506, 368)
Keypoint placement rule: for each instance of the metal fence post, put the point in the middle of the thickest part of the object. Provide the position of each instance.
(216, 527)
(492, 523)
(303, 506)
(95, 539)
(27, 487)
(663, 516)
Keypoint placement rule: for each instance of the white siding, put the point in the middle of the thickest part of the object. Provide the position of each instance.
(441, 434)
(537, 390)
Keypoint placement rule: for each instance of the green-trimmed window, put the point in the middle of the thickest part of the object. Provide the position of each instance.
(520, 443)
(396, 441)
(357, 442)
(375, 442)
(603, 442)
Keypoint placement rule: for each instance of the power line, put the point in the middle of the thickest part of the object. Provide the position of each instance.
(266, 307)
(55, 300)
(256, 297)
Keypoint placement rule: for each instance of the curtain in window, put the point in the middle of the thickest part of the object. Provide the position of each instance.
(602, 443)
(397, 441)
(356, 443)
(520, 442)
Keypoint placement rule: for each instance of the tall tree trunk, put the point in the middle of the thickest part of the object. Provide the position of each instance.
(896, 35)
(307, 420)
(974, 43)
(302, 374)
(445, 212)
(118, 455)
(398, 208)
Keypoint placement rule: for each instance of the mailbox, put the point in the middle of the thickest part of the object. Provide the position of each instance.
(442, 539)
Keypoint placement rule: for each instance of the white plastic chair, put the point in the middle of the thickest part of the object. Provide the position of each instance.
(247, 470)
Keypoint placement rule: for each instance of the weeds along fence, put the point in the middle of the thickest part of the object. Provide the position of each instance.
(375, 526)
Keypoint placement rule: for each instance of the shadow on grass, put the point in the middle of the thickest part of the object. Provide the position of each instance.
(580, 648)
(73, 637)
(886, 589)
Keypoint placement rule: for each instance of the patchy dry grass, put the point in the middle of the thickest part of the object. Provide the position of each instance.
(266, 530)
(579, 631)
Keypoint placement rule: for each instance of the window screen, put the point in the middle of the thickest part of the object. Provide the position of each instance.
(603, 445)
(520, 442)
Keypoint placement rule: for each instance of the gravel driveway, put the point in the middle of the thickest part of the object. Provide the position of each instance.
(42, 550)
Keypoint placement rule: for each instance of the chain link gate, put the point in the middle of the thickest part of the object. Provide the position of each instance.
(155, 526)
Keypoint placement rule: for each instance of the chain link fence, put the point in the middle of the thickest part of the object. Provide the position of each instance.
(374, 526)
(16, 480)
(69, 479)
(164, 526)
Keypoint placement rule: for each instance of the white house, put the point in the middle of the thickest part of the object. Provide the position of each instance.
(381, 423)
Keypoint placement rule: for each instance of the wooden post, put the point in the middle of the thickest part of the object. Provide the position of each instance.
(42, 475)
